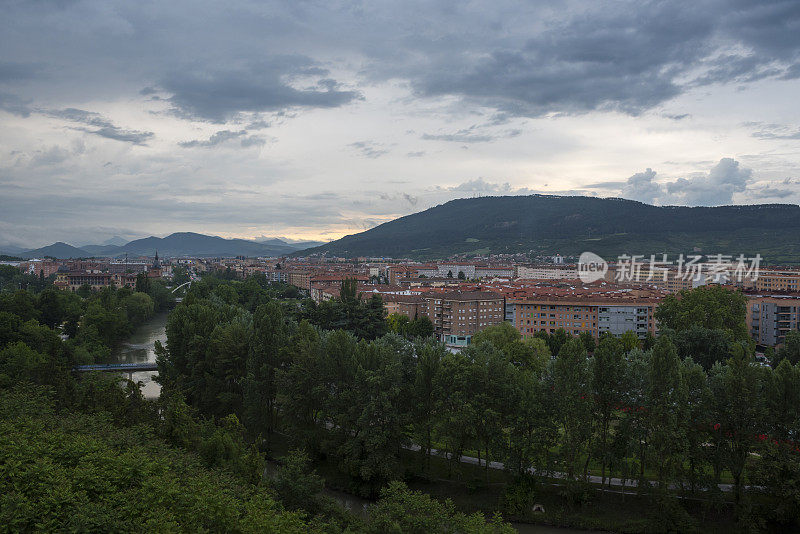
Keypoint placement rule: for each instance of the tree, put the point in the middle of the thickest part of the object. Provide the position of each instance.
(703, 345)
(373, 414)
(51, 307)
(461, 275)
(425, 394)
(608, 374)
(421, 327)
(697, 415)
(398, 323)
(500, 335)
(556, 340)
(298, 487)
(633, 438)
(572, 386)
(790, 350)
(403, 510)
(629, 341)
(588, 341)
(21, 303)
(266, 356)
(712, 307)
(304, 388)
(666, 405)
(142, 283)
(530, 425)
(738, 415)
(488, 381)
(138, 308)
(779, 468)
(179, 275)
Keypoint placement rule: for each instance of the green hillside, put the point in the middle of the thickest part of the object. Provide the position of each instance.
(545, 224)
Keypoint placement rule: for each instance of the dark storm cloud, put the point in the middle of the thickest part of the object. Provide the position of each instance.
(100, 125)
(217, 95)
(615, 57)
(519, 59)
(624, 56)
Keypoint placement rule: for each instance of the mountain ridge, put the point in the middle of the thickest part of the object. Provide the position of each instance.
(175, 244)
(549, 224)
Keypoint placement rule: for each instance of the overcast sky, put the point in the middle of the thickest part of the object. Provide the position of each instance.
(319, 119)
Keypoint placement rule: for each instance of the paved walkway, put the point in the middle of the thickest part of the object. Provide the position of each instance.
(618, 482)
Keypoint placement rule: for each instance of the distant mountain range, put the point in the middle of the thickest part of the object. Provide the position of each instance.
(177, 244)
(546, 224)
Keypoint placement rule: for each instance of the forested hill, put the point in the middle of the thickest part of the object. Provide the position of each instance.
(549, 224)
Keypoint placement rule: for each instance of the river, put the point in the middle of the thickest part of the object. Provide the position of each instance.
(141, 347)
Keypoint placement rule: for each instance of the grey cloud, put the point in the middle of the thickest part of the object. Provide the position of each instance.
(473, 134)
(128, 136)
(218, 95)
(100, 125)
(14, 72)
(614, 57)
(606, 185)
(412, 200)
(714, 188)
(774, 131)
(778, 189)
(223, 136)
(14, 105)
(417, 154)
(369, 149)
(479, 185)
(624, 56)
(642, 187)
(770, 192)
(520, 59)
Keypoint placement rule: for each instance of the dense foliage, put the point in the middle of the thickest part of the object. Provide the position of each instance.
(89, 453)
(655, 418)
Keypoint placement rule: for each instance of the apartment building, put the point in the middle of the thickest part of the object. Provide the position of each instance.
(276, 275)
(40, 267)
(456, 317)
(775, 281)
(546, 272)
(299, 278)
(397, 273)
(579, 310)
(412, 306)
(497, 271)
(770, 317)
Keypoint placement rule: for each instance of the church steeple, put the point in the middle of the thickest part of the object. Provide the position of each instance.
(156, 263)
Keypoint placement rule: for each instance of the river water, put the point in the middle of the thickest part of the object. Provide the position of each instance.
(140, 347)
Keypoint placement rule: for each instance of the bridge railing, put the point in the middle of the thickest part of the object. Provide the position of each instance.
(118, 367)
